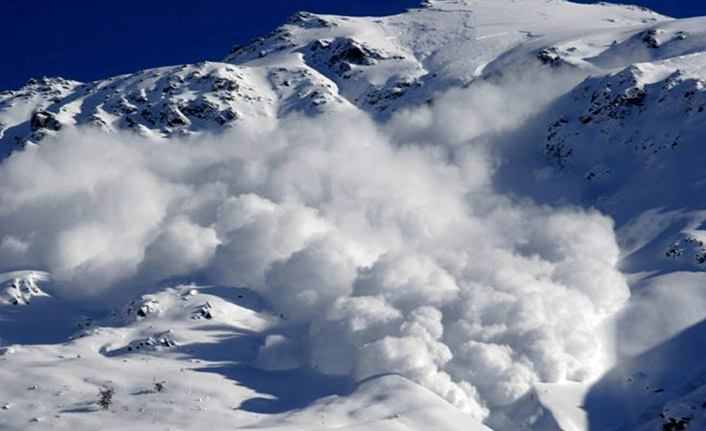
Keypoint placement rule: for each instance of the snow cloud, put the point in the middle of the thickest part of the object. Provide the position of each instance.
(386, 248)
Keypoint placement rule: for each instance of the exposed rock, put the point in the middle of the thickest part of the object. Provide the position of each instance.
(21, 289)
(44, 120)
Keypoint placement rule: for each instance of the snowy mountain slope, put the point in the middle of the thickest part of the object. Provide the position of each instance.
(628, 142)
(158, 103)
(647, 393)
(180, 359)
(316, 63)
(366, 250)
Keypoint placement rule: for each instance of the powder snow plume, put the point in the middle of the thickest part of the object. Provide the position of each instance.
(386, 248)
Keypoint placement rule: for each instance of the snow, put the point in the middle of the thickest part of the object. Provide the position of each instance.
(204, 372)
(477, 214)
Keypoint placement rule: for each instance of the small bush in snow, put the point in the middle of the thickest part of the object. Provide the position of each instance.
(105, 398)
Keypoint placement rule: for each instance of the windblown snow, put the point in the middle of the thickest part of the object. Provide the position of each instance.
(472, 215)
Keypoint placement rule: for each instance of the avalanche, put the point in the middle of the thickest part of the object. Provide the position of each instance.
(472, 215)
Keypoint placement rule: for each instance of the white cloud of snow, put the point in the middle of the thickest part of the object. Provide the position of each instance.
(386, 248)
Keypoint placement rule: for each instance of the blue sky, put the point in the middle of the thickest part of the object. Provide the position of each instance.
(86, 40)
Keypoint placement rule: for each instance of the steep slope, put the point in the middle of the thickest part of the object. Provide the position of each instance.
(317, 63)
(415, 194)
(648, 393)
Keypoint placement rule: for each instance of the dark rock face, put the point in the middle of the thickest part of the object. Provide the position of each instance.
(44, 120)
(309, 20)
(341, 55)
(391, 92)
(557, 151)
(553, 57)
(675, 424)
(45, 86)
(226, 116)
(154, 342)
(200, 108)
(172, 116)
(649, 38)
